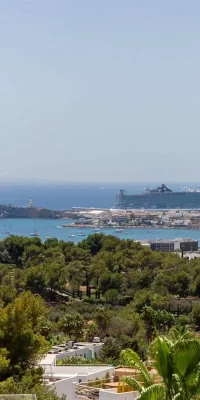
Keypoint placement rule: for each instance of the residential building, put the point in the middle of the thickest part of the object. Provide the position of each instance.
(172, 245)
(88, 350)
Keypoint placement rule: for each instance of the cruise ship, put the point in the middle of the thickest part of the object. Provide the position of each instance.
(160, 198)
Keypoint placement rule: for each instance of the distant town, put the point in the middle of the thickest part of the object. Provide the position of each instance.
(105, 218)
(102, 218)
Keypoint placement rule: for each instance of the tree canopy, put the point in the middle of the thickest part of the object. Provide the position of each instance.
(116, 289)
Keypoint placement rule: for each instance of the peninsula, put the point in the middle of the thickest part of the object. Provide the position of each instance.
(11, 211)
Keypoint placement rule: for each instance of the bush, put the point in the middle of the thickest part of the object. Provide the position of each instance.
(77, 360)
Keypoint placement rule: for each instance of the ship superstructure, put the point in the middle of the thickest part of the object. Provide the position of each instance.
(160, 198)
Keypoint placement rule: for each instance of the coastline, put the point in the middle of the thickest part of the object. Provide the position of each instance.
(82, 226)
(50, 228)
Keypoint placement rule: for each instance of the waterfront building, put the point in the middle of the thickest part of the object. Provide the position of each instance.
(178, 244)
(190, 255)
(162, 245)
(118, 218)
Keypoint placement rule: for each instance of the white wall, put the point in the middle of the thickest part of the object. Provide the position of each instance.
(100, 374)
(65, 386)
(80, 370)
(110, 394)
(95, 348)
(84, 352)
(78, 374)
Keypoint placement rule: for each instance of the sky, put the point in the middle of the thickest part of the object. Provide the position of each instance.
(100, 90)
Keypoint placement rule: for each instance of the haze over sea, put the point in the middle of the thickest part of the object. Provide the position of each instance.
(65, 196)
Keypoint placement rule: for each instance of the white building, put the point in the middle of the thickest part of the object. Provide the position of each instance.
(65, 378)
(87, 350)
(111, 394)
(72, 380)
(190, 255)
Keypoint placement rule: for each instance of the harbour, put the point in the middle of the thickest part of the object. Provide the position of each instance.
(50, 228)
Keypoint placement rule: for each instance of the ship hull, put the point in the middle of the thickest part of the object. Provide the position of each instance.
(154, 200)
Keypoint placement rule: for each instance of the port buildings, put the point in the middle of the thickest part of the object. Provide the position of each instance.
(135, 218)
(178, 244)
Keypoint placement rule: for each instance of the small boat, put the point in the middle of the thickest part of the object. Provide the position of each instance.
(96, 229)
(81, 234)
(72, 234)
(119, 230)
(35, 233)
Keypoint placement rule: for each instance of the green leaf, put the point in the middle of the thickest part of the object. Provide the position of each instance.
(132, 382)
(154, 392)
(186, 356)
(131, 359)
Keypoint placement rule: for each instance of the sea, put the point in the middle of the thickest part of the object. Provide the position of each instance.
(65, 196)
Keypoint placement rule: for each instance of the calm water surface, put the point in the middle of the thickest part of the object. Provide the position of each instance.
(50, 228)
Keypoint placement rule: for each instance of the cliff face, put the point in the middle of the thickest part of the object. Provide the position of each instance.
(9, 211)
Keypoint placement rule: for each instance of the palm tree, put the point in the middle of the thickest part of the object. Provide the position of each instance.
(176, 361)
(180, 332)
(130, 359)
(72, 325)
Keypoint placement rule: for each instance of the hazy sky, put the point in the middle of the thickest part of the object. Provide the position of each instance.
(105, 90)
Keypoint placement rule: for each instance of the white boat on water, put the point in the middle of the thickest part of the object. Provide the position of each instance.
(119, 230)
(35, 233)
(96, 229)
(72, 234)
(81, 234)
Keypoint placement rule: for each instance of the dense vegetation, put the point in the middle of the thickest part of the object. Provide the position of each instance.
(117, 289)
(174, 372)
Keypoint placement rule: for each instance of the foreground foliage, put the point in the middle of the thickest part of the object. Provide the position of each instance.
(177, 361)
(22, 345)
(57, 291)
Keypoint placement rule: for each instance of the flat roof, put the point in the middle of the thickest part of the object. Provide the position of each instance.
(48, 359)
(179, 240)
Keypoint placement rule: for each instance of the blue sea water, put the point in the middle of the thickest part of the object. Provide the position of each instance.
(66, 196)
(50, 228)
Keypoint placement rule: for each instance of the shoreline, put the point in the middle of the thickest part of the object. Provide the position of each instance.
(80, 226)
